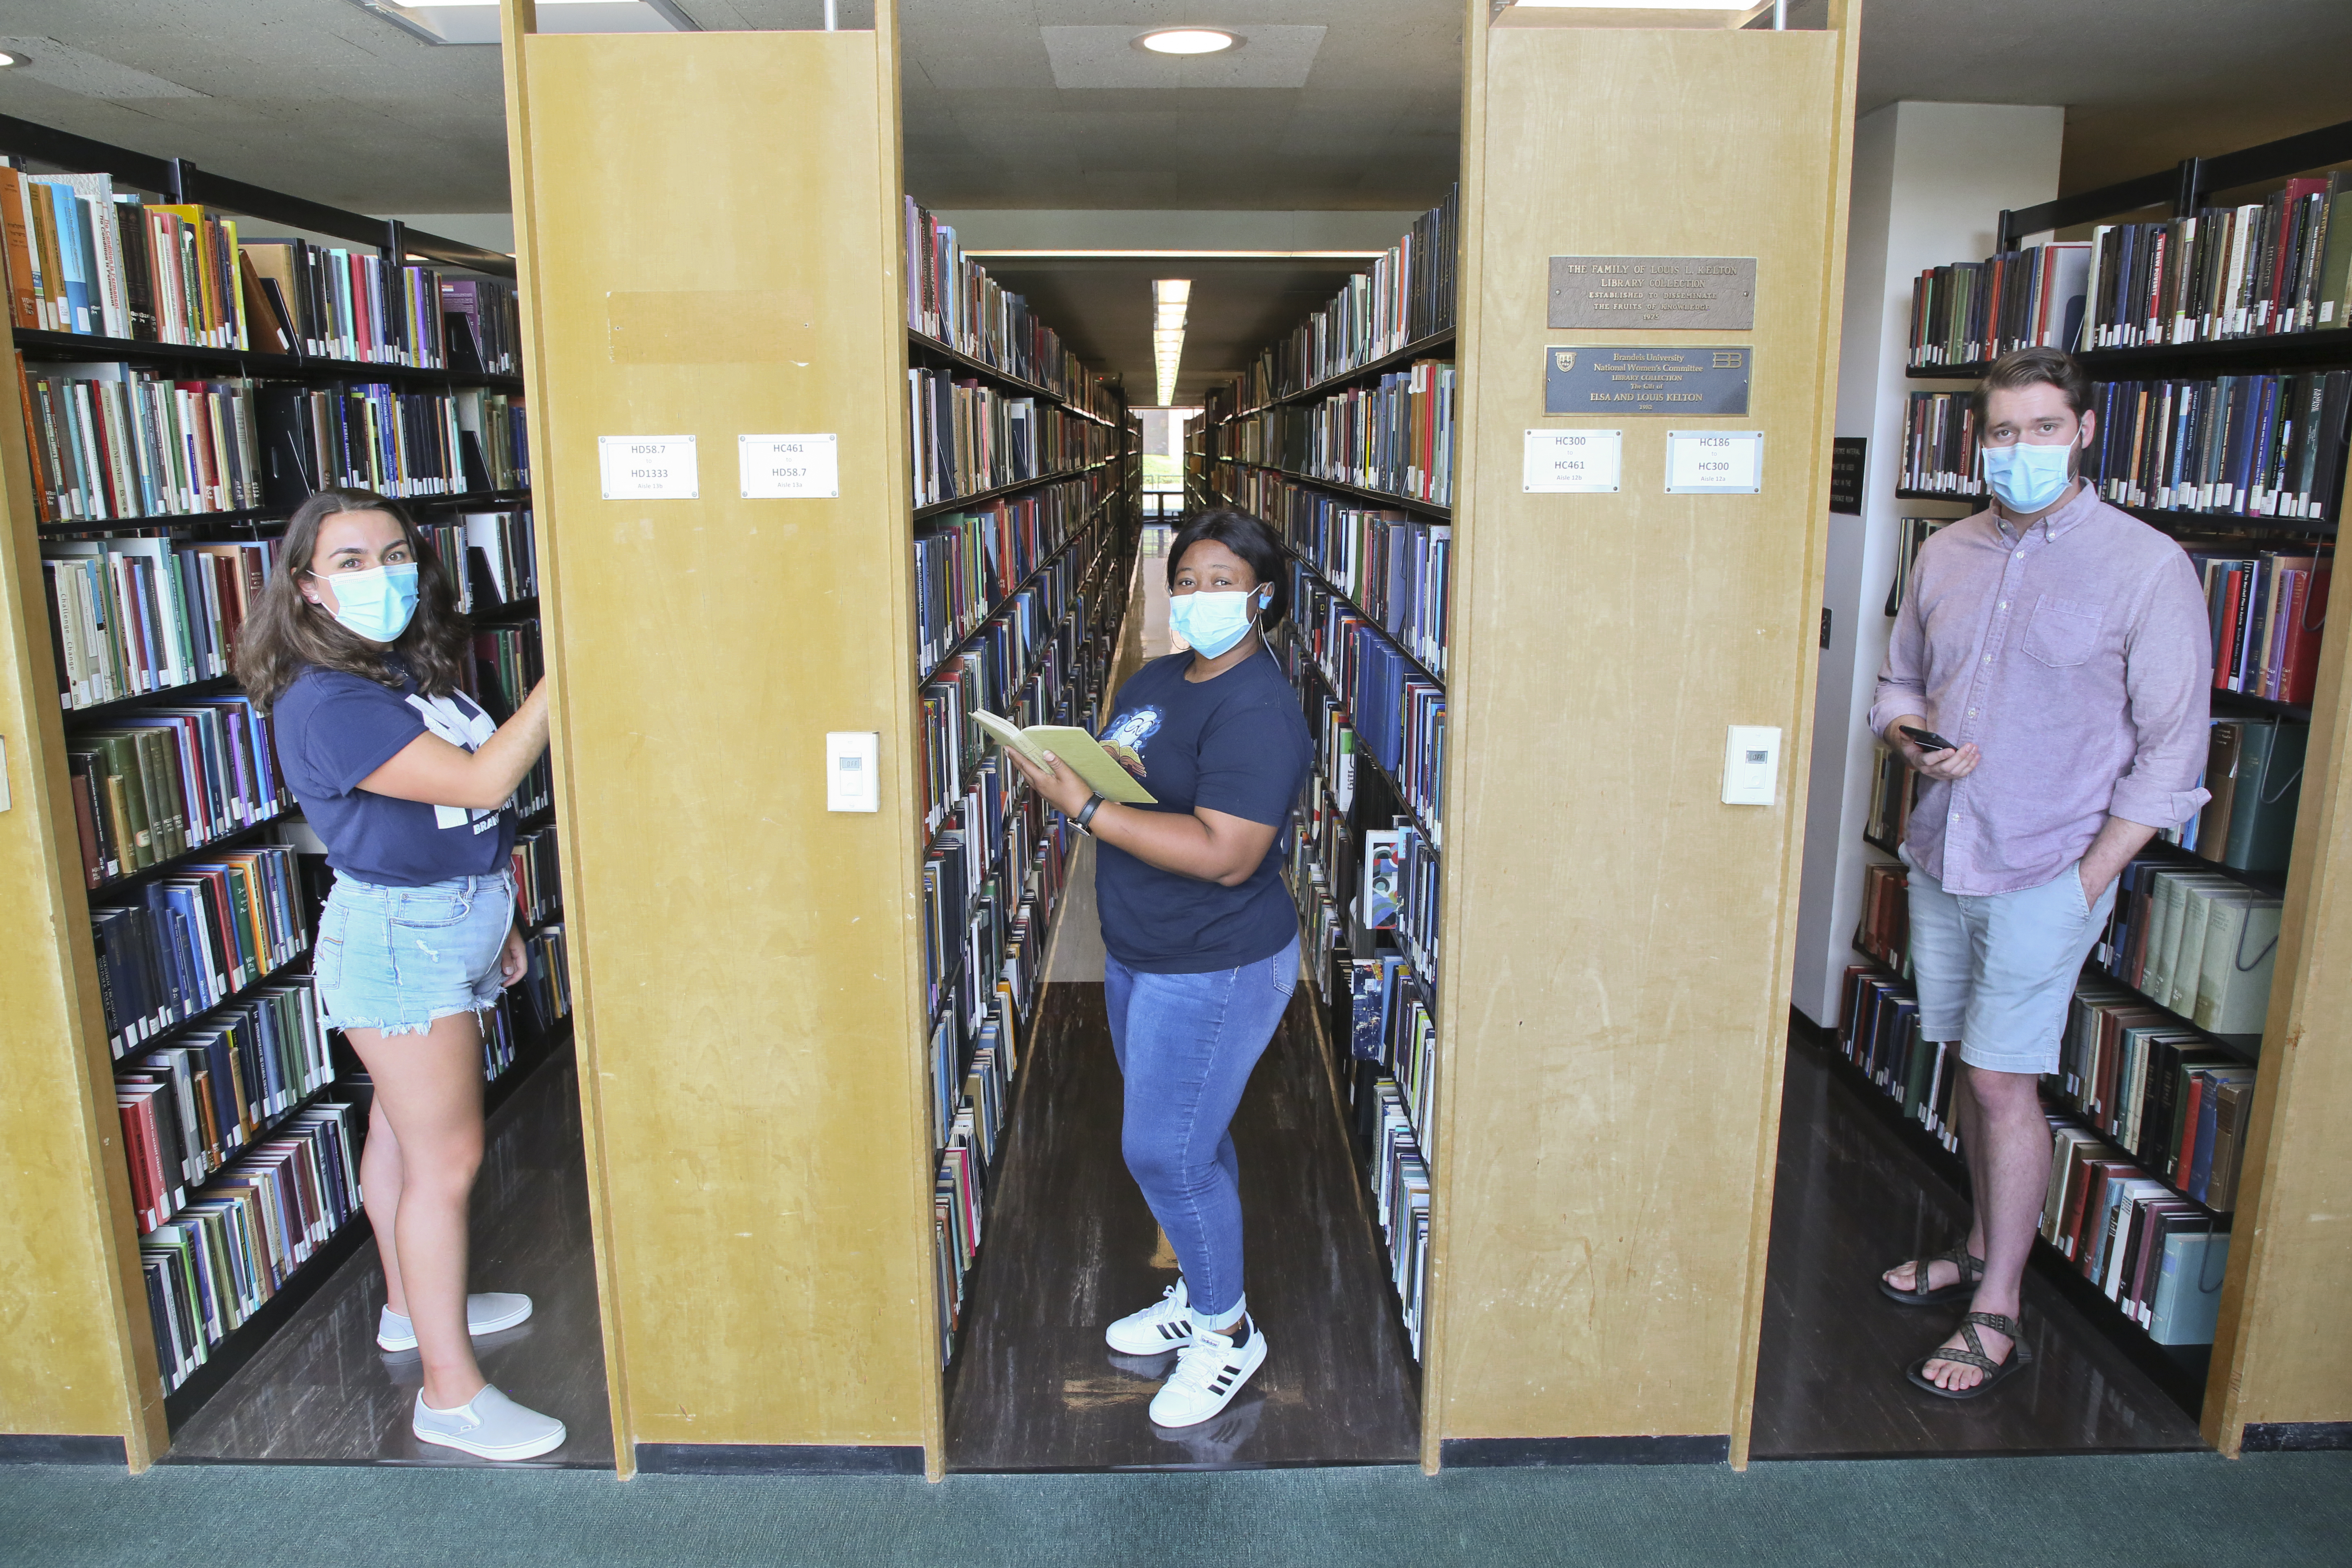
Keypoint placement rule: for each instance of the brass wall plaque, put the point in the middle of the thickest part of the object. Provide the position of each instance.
(1716, 293)
(1651, 379)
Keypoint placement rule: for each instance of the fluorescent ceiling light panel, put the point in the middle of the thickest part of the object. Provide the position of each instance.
(1068, 254)
(1188, 41)
(1627, 5)
(1171, 297)
(477, 21)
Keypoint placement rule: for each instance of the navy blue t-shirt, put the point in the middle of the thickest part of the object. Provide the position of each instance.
(1236, 744)
(333, 729)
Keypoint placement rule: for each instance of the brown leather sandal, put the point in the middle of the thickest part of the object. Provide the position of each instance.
(1974, 1355)
(1972, 1269)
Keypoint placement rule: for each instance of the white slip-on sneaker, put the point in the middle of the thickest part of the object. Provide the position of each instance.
(485, 1315)
(1163, 1326)
(1208, 1373)
(488, 1427)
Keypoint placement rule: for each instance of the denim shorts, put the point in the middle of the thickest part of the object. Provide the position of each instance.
(1996, 971)
(396, 959)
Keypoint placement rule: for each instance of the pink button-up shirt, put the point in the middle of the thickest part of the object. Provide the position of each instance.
(2079, 658)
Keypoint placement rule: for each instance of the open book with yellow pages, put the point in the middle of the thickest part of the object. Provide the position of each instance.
(1074, 749)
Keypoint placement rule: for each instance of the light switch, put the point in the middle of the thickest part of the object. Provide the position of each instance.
(852, 770)
(1751, 764)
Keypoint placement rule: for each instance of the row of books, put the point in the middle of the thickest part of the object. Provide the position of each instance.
(952, 300)
(1393, 1025)
(966, 562)
(969, 437)
(538, 876)
(190, 1107)
(1036, 660)
(84, 258)
(2200, 942)
(2264, 446)
(2282, 265)
(2253, 771)
(2278, 265)
(1400, 1189)
(1407, 296)
(1883, 929)
(112, 440)
(1396, 436)
(407, 444)
(1394, 566)
(2157, 1255)
(2166, 1276)
(2267, 609)
(508, 660)
(1400, 717)
(2169, 1096)
(196, 938)
(154, 785)
(1910, 533)
(1972, 311)
(213, 1264)
(1014, 965)
(546, 984)
(489, 558)
(129, 615)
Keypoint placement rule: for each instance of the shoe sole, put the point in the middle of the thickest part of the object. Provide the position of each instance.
(1258, 1343)
(473, 1330)
(530, 1451)
(1156, 1345)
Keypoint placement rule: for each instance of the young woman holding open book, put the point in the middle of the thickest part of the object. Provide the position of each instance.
(355, 649)
(1202, 938)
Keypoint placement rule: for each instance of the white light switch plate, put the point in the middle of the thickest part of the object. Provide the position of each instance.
(1751, 764)
(852, 776)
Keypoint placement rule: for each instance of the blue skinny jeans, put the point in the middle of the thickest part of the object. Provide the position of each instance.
(1186, 1044)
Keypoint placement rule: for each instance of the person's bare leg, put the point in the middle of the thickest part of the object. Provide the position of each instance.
(430, 1088)
(379, 1196)
(1944, 1273)
(2011, 1162)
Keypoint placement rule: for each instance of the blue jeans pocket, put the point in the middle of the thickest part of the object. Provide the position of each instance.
(429, 910)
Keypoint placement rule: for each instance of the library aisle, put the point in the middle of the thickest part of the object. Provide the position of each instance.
(1851, 1199)
(1072, 1245)
(321, 1393)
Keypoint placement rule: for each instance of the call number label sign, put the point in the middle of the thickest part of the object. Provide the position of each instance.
(649, 467)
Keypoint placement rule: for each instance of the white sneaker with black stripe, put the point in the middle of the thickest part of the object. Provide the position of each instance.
(1209, 1372)
(1164, 1326)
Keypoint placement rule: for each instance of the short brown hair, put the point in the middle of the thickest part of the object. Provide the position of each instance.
(2034, 367)
(285, 634)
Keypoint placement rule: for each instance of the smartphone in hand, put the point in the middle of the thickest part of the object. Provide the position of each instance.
(1927, 740)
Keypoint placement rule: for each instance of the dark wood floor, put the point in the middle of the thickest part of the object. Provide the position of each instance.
(1852, 1201)
(1069, 1245)
(321, 1392)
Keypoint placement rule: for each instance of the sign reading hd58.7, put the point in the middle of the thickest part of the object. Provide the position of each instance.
(1647, 380)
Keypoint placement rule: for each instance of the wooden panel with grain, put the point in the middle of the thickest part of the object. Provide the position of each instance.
(1616, 983)
(77, 1350)
(746, 962)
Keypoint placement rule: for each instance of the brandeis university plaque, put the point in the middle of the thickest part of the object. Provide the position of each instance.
(1710, 293)
(1672, 380)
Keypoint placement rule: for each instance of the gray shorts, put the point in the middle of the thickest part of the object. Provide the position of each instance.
(1996, 971)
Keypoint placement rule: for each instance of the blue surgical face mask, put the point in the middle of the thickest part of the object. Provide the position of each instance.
(1212, 623)
(2028, 477)
(376, 602)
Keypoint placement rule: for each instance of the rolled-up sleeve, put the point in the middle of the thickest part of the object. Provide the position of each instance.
(2169, 685)
(1902, 679)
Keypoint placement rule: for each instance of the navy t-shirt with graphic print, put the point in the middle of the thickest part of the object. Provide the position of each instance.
(1237, 744)
(334, 729)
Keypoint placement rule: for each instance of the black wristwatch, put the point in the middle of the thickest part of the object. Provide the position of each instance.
(1087, 815)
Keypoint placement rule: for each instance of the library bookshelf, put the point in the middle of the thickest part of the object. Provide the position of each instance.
(118, 589)
(782, 1010)
(2273, 1377)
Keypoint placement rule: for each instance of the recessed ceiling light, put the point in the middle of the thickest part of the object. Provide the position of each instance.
(1188, 41)
(11, 57)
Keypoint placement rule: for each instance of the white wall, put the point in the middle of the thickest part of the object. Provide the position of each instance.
(1929, 183)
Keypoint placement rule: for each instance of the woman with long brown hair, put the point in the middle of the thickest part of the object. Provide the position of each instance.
(355, 650)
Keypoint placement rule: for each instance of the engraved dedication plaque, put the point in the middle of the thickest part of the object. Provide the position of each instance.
(1716, 293)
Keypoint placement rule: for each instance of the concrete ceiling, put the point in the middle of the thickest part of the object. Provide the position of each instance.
(1346, 105)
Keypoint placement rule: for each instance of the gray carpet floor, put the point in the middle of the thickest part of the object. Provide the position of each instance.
(2151, 1512)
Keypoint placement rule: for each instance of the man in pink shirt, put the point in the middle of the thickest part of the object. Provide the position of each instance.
(2048, 677)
